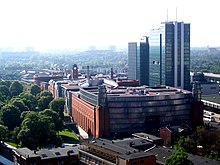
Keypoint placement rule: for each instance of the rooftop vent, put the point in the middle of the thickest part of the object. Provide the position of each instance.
(57, 153)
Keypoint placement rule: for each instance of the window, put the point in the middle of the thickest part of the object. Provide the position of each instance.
(57, 153)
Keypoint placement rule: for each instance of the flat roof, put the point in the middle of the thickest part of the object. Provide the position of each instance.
(212, 98)
(141, 91)
(57, 152)
(162, 153)
(146, 136)
(25, 152)
(120, 148)
(47, 153)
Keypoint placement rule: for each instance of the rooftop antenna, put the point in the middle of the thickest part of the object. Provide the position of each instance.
(176, 14)
(167, 15)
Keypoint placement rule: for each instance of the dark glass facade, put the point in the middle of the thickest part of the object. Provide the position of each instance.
(138, 60)
(132, 60)
(169, 58)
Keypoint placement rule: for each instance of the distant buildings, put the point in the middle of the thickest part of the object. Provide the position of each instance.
(167, 61)
(207, 88)
(138, 61)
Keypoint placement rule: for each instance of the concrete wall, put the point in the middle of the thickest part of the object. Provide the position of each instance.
(210, 89)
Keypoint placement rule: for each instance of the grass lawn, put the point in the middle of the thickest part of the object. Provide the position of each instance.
(65, 114)
(13, 144)
(68, 136)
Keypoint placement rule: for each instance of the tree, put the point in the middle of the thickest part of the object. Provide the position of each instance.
(37, 130)
(16, 88)
(10, 116)
(4, 93)
(14, 135)
(7, 83)
(23, 114)
(55, 116)
(179, 157)
(19, 104)
(44, 102)
(35, 89)
(29, 100)
(189, 145)
(58, 106)
(3, 133)
(2, 104)
(46, 93)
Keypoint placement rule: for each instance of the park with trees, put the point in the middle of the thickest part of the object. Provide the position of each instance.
(30, 117)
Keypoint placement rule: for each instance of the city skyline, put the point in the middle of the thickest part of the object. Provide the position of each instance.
(79, 24)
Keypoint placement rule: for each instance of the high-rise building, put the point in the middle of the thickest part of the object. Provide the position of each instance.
(169, 57)
(138, 61)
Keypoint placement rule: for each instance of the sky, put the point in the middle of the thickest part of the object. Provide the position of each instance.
(77, 24)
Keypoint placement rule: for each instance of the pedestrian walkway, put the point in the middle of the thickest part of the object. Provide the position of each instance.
(83, 133)
(5, 161)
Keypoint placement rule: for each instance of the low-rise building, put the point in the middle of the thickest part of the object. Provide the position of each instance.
(114, 152)
(65, 156)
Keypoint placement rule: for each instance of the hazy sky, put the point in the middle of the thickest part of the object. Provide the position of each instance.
(73, 24)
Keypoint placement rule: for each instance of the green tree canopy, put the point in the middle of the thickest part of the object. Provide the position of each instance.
(23, 114)
(4, 93)
(43, 102)
(37, 130)
(14, 135)
(189, 145)
(7, 83)
(15, 88)
(2, 104)
(19, 104)
(55, 116)
(3, 133)
(35, 89)
(29, 100)
(10, 116)
(45, 93)
(4, 90)
(58, 106)
(179, 157)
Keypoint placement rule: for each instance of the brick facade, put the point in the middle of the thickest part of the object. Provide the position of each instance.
(93, 119)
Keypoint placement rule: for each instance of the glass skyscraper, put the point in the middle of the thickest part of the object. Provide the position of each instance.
(138, 61)
(169, 57)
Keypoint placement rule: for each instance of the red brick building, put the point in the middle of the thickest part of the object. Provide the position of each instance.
(104, 112)
(92, 118)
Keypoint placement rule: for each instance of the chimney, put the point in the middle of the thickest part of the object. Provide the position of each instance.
(111, 73)
(87, 73)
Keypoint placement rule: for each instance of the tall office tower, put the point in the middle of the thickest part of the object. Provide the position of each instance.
(169, 59)
(138, 61)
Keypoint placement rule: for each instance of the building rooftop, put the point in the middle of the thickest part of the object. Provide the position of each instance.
(25, 152)
(120, 148)
(72, 86)
(162, 153)
(47, 153)
(57, 152)
(147, 137)
(140, 91)
(212, 98)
